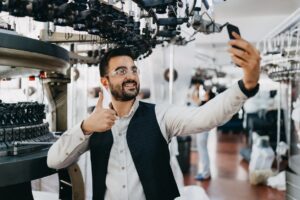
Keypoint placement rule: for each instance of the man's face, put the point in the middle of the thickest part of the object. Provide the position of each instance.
(123, 79)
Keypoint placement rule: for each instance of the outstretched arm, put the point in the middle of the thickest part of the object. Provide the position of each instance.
(175, 120)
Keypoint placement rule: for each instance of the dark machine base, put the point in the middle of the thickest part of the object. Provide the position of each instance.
(17, 192)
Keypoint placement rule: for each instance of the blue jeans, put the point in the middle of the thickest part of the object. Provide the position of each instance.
(203, 157)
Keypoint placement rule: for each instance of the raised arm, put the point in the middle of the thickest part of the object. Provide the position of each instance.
(183, 120)
(176, 120)
(68, 148)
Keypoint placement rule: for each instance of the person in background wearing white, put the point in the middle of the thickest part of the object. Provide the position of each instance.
(202, 139)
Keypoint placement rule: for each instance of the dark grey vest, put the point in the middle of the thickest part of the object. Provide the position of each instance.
(149, 151)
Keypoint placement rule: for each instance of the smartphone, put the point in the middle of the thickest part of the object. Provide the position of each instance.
(231, 28)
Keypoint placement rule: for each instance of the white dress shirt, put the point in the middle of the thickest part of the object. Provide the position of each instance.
(122, 180)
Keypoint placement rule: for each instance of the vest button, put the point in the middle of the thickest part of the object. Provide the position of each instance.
(124, 186)
(123, 168)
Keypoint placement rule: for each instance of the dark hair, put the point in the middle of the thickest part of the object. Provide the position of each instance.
(196, 80)
(121, 51)
(211, 94)
(273, 93)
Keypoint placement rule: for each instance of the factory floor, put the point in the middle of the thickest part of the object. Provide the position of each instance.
(229, 180)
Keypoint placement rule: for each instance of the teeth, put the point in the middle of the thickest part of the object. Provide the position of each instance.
(129, 84)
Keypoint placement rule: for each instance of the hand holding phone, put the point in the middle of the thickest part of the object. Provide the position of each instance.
(248, 57)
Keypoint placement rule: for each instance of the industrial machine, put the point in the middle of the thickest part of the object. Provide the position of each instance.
(149, 24)
(25, 133)
(281, 62)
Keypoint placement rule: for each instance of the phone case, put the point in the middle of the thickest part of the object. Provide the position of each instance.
(231, 28)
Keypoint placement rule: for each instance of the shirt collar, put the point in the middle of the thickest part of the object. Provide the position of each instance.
(133, 109)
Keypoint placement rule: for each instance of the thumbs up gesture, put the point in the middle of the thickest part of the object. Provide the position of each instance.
(100, 120)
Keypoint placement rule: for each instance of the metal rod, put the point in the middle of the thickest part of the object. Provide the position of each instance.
(278, 159)
(287, 24)
(289, 114)
(171, 74)
(67, 183)
(32, 143)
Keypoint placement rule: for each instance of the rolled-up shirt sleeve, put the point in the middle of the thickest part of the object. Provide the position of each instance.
(182, 120)
(67, 149)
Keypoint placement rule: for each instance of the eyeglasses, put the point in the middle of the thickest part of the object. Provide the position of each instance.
(123, 71)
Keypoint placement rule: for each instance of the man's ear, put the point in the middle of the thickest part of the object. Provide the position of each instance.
(104, 82)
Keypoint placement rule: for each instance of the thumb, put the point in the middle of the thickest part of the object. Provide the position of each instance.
(236, 36)
(100, 101)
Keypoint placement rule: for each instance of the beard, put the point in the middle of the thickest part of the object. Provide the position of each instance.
(121, 93)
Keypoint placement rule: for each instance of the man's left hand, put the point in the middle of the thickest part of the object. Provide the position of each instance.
(248, 58)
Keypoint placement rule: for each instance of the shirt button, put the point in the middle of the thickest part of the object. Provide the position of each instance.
(124, 186)
(81, 139)
(120, 134)
(67, 153)
(121, 151)
(123, 168)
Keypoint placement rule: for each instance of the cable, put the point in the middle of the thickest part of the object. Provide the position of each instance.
(193, 7)
(175, 12)
(41, 81)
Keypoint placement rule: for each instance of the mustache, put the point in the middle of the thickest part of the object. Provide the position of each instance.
(129, 81)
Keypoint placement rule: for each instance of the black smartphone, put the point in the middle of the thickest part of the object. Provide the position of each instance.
(231, 28)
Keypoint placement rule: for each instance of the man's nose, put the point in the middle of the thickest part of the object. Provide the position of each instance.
(131, 76)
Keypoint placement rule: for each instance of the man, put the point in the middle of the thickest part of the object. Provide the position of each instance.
(129, 141)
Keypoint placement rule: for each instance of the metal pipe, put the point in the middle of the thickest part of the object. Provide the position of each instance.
(289, 114)
(278, 156)
(171, 73)
(287, 24)
(16, 143)
(67, 183)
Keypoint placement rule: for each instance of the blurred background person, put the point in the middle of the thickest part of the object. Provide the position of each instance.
(202, 138)
(197, 96)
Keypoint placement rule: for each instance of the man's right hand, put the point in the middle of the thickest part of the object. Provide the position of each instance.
(100, 120)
